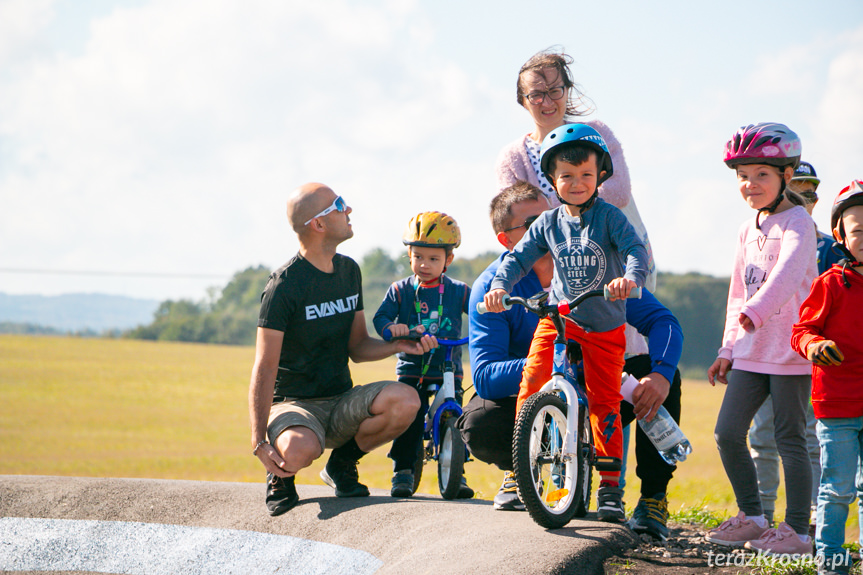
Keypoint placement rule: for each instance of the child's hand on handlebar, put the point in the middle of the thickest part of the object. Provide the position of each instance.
(399, 329)
(494, 300)
(417, 347)
(619, 288)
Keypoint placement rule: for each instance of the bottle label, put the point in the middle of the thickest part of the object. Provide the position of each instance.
(663, 434)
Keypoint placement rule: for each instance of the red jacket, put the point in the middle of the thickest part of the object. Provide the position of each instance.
(833, 311)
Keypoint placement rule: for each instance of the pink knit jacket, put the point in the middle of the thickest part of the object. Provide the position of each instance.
(773, 270)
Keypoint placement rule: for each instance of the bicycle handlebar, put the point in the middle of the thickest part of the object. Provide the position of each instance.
(414, 335)
(563, 307)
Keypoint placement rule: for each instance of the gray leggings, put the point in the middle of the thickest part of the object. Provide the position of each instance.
(745, 393)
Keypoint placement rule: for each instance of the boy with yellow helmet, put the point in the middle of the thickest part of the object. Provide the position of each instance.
(428, 301)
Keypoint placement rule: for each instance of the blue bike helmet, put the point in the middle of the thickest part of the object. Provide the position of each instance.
(576, 135)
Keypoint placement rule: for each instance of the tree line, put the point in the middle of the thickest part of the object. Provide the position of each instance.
(229, 315)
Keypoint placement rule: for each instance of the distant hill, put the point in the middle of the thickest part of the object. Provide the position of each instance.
(75, 312)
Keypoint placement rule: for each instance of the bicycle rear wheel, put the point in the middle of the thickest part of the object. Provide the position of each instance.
(450, 462)
(547, 482)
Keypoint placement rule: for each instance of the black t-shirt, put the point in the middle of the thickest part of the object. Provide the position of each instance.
(315, 310)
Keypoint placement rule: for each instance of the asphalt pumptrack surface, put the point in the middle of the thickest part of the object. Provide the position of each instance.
(155, 527)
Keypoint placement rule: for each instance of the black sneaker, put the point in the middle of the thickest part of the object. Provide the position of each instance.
(464, 492)
(281, 494)
(507, 496)
(651, 517)
(342, 475)
(403, 483)
(609, 504)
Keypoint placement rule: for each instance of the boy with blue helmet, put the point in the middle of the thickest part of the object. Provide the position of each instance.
(592, 244)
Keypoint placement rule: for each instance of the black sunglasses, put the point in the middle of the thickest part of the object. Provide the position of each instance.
(528, 221)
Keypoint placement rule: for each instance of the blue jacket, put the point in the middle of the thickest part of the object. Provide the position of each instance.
(827, 256)
(499, 342)
(399, 306)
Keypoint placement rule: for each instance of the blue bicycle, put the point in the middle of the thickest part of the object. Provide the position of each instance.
(552, 444)
(442, 440)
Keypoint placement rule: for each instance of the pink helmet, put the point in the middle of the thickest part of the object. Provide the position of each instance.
(764, 143)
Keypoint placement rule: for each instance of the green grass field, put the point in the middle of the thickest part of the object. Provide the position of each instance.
(127, 408)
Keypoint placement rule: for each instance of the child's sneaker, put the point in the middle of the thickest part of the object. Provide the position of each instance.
(651, 517)
(403, 483)
(781, 541)
(342, 475)
(281, 494)
(507, 496)
(609, 503)
(735, 532)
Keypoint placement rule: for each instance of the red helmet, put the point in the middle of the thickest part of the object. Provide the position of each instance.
(764, 143)
(851, 195)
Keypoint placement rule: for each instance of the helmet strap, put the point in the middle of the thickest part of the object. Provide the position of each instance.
(779, 197)
(582, 207)
(773, 205)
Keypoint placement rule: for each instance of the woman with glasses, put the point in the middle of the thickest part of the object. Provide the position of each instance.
(546, 90)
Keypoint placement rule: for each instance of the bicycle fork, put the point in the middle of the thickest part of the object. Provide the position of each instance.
(559, 383)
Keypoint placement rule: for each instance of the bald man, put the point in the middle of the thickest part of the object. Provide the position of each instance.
(301, 396)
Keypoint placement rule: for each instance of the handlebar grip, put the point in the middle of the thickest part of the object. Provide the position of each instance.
(412, 335)
(481, 309)
(634, 293)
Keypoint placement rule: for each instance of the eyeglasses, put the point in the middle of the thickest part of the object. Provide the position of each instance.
(555, 93)
(338, 205)
(528, 221)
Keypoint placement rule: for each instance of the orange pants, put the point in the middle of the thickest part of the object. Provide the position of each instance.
(603, 366)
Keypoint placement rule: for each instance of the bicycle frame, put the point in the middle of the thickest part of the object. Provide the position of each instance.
(444, 399)
(553, 465)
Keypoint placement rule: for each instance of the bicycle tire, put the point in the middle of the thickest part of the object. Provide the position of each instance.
(585, 470)
(450, 461)
(547, 485)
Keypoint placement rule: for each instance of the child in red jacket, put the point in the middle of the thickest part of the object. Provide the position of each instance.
(830, 335)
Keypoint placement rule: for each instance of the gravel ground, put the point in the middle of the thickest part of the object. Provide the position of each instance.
(686, 551)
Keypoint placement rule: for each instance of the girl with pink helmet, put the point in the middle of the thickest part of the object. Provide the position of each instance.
(774, 266)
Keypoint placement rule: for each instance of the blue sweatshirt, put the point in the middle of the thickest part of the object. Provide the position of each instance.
(399, 306)
(499, 342)
(588, 251)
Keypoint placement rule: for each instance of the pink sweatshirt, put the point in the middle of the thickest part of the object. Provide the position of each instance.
(773, 271)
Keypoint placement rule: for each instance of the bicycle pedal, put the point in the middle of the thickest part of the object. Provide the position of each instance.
(601, 463)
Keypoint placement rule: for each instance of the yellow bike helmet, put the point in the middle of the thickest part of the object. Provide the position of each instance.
(432, 230)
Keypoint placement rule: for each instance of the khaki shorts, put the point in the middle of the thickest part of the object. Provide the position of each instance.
(335, 420)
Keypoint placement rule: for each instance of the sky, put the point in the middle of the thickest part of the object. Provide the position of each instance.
(147, 147)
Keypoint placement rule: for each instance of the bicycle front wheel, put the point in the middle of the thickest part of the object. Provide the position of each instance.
(585, 456)
(450, 462)
(547, 481)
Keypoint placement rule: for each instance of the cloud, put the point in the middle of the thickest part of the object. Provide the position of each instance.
(21, 21)
(838, 126)
(170, 142)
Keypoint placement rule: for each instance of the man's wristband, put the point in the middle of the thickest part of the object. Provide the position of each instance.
(258, 446)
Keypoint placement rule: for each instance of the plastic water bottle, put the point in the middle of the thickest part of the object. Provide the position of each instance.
(662, 430)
